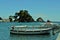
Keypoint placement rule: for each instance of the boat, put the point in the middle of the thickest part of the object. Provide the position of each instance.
(24, 29)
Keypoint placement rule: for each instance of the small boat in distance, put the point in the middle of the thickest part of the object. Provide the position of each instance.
(24, 29)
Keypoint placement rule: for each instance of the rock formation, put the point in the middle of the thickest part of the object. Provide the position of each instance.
(0, 18)
(24, 16)
(40, 20)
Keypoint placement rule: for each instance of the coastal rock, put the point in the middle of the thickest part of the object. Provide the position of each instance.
(24, 16)
(40, 20)
(0, 18)
(10, 18)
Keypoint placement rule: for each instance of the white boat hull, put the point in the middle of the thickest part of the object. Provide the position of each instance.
(31, 32)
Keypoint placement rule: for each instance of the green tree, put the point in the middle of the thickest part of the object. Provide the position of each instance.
(24, 16)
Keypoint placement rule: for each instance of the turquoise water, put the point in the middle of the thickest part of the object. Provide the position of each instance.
(5, 32)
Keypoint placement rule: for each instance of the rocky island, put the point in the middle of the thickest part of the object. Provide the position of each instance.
(40, 20)
(22, 16)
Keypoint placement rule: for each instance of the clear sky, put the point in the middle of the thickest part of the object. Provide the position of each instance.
(47, 9)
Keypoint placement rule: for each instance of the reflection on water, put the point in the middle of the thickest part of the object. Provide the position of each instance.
(33, 37)
(27, 37)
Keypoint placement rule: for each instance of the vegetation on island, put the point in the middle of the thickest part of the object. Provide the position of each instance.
(22, 16)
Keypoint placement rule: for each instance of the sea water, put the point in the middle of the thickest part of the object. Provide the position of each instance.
(5, 32)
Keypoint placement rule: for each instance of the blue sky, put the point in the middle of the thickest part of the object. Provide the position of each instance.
(47, 9)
